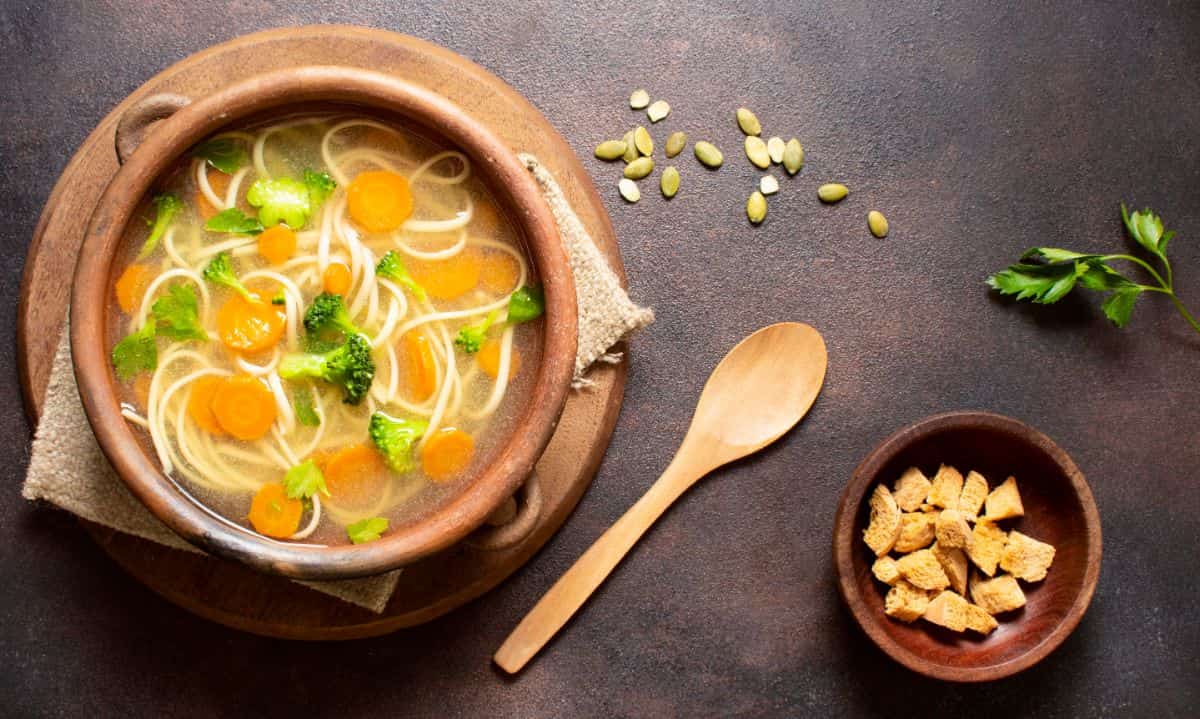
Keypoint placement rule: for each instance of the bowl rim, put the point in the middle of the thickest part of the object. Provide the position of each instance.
(511, 184)
(844, 542)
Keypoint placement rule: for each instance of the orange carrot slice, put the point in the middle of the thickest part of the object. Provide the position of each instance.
(336, 279)
(379, 200)
(422, 369)
(250, 327)
(131, 286)
(243, 407)
(355, 475)
(277, 244)
(488, 359)
(448, 279)
(219, 182)
(199, 405)
(273, 513)
(447, 453)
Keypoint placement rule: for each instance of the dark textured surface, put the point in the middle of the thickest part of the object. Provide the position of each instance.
(979, 131)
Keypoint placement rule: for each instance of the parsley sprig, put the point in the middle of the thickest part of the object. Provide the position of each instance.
(1047, 274)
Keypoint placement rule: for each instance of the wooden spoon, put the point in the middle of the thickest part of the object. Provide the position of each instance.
(759, 391)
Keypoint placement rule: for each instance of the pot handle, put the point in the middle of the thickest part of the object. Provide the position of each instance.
(135, 122)
(514, 521)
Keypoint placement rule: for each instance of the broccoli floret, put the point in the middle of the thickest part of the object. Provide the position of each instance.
(471, 336)
(350, 366)
(220, 272)
(165, 208)
(328, 312)
(391, 267)
(394, 438)
(320, 185)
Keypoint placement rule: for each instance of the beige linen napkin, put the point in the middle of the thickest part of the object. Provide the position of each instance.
(69, 470)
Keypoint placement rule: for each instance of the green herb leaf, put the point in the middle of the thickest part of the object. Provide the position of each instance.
(177, 314)
(235, 222)
(1119, 305)
(166, 206)
(526, 304)
(306, 413)
(1146, 229)
(320, 185)
(1043, 284)
(367, 530)
(1100, 276)
(136, 353)
(280, 199)
(224, 153)
(1054, 254)
(304, 480)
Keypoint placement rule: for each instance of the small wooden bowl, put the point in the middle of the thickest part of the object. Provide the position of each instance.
(1059, 509)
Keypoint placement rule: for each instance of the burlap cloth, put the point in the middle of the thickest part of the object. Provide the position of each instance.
(69, 470)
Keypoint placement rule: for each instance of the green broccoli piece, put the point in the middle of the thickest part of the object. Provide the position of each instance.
(328, 312)
(471, 336)
(394, 438)
(350, 366)
(526, 304)
(392, 268)
(320, 186)
(220, 272)
(280, 199)
(165, 208)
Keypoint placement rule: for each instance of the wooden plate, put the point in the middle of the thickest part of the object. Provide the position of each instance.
(229, 593)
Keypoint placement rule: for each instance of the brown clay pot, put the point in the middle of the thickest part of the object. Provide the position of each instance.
(149, 149)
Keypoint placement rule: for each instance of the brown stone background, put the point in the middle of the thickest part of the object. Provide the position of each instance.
(980, 129)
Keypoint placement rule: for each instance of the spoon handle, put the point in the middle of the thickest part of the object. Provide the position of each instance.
(590, 570)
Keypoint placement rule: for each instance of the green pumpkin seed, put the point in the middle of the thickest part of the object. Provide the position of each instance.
(878, 224)
(748, 122)
(756, 208)
(629, 190)
(708, 154)
(610, 149)
(756, 150)
(768, 185)
(639, 168)
(793, 156)
(639, 99)
(645, 144)
(658, 111)
(832, 192)
(669, 184)
(675, 143)
(775, 149)
(631, 152)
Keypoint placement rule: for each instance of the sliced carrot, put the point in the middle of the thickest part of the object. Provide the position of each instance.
(499, 272)
(199, 405)
(448, 279)
(336, 279)
(355, 475)
(243, 407)
(219, 182)
(131, 286)
(379, 200)
(422, 369)
(273, 513)
(250, 327)
(447, 453)
(277, 244)
(488, 359)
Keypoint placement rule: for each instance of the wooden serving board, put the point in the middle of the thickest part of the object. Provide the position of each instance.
(229, 593)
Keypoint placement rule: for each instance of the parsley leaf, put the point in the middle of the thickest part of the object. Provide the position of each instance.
(177, 314)
(304, 480)
(224, 153)
(1119, 305)
(306, 414)
(136, 352)
(234, 221)
(1043, 284)
(367, 530)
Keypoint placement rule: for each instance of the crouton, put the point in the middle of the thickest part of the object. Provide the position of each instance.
(884, 528)
(946, 488)
(994, 596)
(885, 570)
(1004, 502)
(911, 489)
(980, 621)
(1026, 558)
(949, 610)
(951, 530)
(954, 564)
(916, 531)
(987, 544)
(974, 492)
(923, 570)
(905, 602)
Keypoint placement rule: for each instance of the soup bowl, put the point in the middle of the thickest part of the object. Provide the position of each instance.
(151, 138)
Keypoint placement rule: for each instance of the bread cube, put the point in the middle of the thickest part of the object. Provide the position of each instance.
(922, 570)
(946, 488)
(905, 602)
(948, 610)
(954, 564)
(974, 492)
(998, 595)
(980, 621)
(1004, 502)
(951, 530)
(911, 489)
(884, 528)
(916, 531)
(987, 544)
(885, 570)
(1026, 558)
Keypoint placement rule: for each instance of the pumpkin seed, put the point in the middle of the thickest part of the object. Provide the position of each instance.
(878, 224)
(708, 154)
(832, 192)
(756, 150)
(610, 149)
(669, 184)
(793, 156)
(629, 190)
(658, 111)
(748, 122)
(775, 149)
(639, 99)
(756, 208)
(768, 185)
(639, 168)
(675, 143)
(631, 152)
(645, 144)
